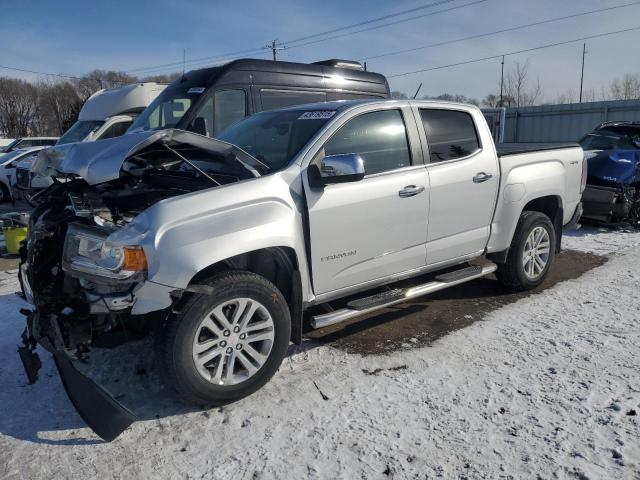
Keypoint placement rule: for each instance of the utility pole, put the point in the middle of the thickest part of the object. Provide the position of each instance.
(584, 52)
(502, 83)
(274, 47)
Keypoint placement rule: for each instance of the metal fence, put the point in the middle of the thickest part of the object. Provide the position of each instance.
(565, 123)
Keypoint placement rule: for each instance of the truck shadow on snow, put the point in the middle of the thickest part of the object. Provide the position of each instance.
(42, 413)
(423, 321)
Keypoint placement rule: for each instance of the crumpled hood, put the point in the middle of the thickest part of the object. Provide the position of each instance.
(102, 161)
(615, 167)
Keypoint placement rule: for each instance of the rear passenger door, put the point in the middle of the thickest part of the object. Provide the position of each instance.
(463, 176)
(365, 230)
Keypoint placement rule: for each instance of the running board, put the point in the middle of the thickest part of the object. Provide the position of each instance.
(379, 301)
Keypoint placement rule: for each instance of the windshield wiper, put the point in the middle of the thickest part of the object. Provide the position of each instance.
(191, 164)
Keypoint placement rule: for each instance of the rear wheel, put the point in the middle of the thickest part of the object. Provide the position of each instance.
(225, 346)
(531, 252)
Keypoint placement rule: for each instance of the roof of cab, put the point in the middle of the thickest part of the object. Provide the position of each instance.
(353, 79)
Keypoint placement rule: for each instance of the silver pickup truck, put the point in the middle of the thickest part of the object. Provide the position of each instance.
(227, 249)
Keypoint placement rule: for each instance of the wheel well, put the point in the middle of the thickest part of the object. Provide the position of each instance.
(279, 265)
(551, 206)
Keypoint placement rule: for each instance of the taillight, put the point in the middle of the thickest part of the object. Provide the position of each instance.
(585, 169)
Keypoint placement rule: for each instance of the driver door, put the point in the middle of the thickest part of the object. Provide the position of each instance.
(375, 227)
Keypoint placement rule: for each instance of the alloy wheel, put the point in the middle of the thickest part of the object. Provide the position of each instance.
(233, 341)
(536, 253)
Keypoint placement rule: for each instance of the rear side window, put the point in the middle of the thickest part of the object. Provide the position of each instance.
(380, 138)
(451, 134)
(272, 99)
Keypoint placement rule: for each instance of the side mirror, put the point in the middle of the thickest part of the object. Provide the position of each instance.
(199, 126)
(342, 168)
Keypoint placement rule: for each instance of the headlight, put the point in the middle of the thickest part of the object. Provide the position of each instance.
(88, 250)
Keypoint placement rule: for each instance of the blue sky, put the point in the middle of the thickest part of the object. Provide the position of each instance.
(74, 37)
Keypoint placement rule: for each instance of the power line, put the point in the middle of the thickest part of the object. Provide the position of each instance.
(313, 42)
(493, 57)
(373, 20)
(26, 70)
(504, 30)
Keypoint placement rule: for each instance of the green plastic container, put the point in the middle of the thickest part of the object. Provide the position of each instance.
(12, 238)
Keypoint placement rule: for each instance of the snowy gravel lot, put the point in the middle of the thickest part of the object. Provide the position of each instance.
(546, 387)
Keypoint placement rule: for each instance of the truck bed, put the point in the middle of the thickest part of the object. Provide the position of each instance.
(506, 149)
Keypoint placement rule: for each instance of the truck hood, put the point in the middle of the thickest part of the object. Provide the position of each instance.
(103, 160)
(613, 167)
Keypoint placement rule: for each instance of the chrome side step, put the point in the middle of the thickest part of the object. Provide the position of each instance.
(398, 296)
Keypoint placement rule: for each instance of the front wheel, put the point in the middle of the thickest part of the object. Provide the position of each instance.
(531, 252)
(225, 346)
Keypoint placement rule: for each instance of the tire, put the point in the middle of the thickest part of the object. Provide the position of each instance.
(5, 194)
(238, 366)
(522, 271)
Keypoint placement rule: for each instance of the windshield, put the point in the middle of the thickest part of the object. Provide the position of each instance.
(79, 131)
(10, 156)
(609, 140)
(166, 110)
(275, 138)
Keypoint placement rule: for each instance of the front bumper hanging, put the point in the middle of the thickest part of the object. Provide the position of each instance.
(107, 417)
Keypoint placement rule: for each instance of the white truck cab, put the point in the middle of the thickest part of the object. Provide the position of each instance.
(109, 113)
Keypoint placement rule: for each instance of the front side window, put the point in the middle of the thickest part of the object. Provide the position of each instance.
(229, 107)
(218, 112)
(115, 130)
(166, 110)
(451, 134)
(380, 138)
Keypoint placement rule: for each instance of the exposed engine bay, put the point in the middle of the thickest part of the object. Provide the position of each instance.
(80, 283)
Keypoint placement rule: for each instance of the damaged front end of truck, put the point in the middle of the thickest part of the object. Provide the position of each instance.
(84, 269)
(612, 194)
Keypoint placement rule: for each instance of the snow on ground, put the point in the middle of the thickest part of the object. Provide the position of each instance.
(548, 386)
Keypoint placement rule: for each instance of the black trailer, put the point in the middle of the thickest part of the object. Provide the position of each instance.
(208, 100)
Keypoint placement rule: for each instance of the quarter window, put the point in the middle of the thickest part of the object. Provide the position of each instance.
(451, 134)
(380, 138)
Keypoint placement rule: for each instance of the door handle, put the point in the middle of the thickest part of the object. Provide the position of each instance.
(482, 177)
(410, 191)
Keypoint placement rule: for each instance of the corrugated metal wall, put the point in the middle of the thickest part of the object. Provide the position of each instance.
(565, 123)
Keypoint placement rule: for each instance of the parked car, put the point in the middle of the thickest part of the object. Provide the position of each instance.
(28, 142)
(5, 141)
(613, 183)
(228, 247)
(105, 114)
(8, 164)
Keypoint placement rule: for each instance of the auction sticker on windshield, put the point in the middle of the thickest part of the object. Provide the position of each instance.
(317, 115)
(196, 90)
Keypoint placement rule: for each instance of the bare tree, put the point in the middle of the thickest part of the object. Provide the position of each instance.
(397, 95)
(626, 88)
(162, 78)
(59, 106)
(448, 97)
(18, 106)
(517, 87)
